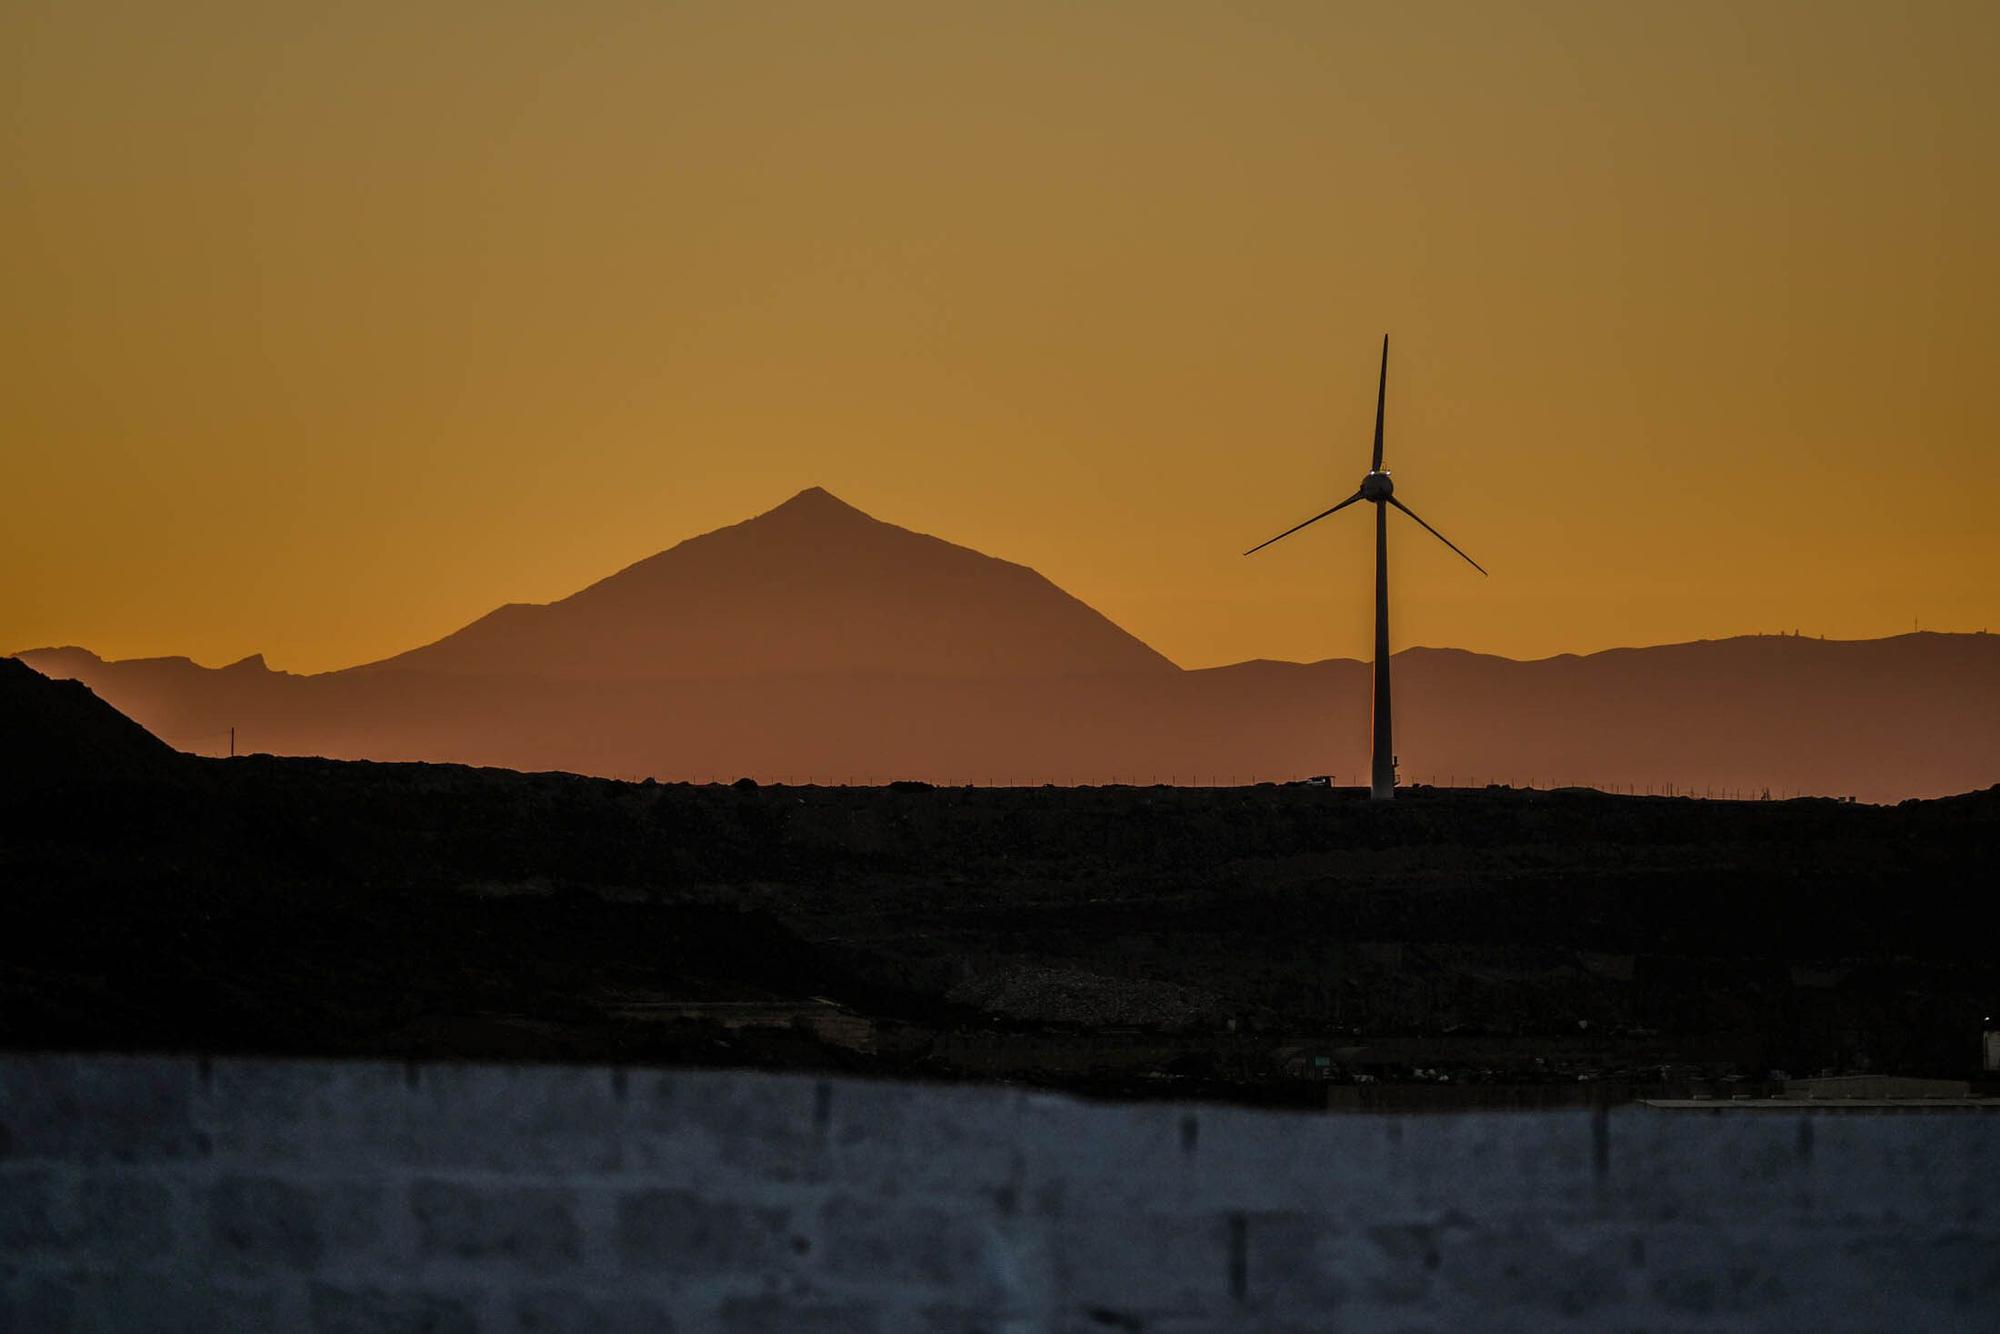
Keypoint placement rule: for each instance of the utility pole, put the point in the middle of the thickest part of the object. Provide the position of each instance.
(232, 742)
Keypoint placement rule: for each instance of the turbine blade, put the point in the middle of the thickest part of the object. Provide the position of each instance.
(1308, 523)
(1435, 533)
(1381, 393)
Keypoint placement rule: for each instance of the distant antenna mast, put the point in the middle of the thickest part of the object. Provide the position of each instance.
(232, 743)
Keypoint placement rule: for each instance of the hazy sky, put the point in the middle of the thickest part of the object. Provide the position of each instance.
(329, 328)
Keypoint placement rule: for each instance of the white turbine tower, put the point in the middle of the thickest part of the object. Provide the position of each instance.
(1377, 487)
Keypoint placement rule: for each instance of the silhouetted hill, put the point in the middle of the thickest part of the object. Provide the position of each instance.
(815, 642)
(58, 733)
(812, 587)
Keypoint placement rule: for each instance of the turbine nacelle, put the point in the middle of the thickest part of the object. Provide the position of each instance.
(1377, 487)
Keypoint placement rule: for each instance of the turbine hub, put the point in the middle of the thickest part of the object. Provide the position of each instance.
(1376, 486)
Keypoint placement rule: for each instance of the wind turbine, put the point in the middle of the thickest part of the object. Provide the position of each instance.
(1377, 487)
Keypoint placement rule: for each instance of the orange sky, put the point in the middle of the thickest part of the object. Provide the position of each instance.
(331, 327)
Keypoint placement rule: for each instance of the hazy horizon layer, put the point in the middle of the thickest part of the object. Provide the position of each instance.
(257, 659)
(814, 641)
(810, 495)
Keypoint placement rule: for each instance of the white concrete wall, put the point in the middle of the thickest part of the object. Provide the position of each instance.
(171, 1194)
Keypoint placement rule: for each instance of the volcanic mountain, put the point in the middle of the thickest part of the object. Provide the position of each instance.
(813, 587)
(814, 642)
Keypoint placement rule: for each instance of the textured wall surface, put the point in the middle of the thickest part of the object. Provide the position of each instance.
(175, 1194)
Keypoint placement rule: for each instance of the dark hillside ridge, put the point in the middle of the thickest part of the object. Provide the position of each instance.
(1116, 940)
(59, 733)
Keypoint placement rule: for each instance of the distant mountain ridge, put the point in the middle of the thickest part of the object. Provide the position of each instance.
(815, 642)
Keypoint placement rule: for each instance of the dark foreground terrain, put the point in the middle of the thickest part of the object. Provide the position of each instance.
(1257, 943)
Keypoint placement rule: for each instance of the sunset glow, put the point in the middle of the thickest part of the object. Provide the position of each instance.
(332, 329)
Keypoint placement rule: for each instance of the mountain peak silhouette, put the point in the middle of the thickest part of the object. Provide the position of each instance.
(813, 587)
(816, 499)
(815, 510)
